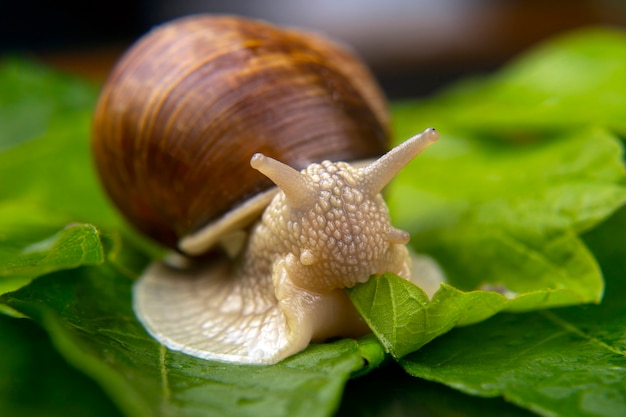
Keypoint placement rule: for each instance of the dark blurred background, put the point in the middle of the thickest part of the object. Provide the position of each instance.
(413, 46)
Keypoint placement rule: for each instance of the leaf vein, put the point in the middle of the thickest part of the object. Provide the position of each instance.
(578, 332)
(164, 375)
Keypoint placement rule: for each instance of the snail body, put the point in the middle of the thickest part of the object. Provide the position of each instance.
(222, 131)
(327, 229)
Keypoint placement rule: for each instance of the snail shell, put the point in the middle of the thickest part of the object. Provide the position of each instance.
(184, 118)
(327, 229)
(185, 109)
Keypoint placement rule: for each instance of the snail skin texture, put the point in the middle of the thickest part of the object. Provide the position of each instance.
(328, 228)
(188, 133)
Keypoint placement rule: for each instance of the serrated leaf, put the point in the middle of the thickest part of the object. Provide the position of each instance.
(509, 226)
(88, 315)
(404, 319)
(564, 362)
(543, 361)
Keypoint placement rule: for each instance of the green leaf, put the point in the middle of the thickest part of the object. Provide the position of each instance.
(496, 213)
(568, 181)
(564, 362)
(33, 97)
(403, 318)
(52, 168)
(36, 381)
(549, 362)
(32, 243)
(36, 240)
(392, 392)
(56, 168)
(575, 80)
(49, 193)
(87, 312)
(509, 223)
(373, 353)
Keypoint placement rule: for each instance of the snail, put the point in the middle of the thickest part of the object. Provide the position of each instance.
(224, 132)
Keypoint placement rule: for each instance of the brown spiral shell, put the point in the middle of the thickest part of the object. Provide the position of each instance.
(189, 104)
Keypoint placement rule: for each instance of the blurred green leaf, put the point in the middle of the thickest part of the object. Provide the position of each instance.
(33, 97)
(573, 81)
(36, 381)
(47, 185)
(87, 312)
(390, 392)
(54, 170)
(509, 225)
(499, 213)
(51, 169)
(500, 202)
(566, 362)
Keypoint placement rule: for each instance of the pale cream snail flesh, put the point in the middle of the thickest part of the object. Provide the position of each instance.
(327, 229)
